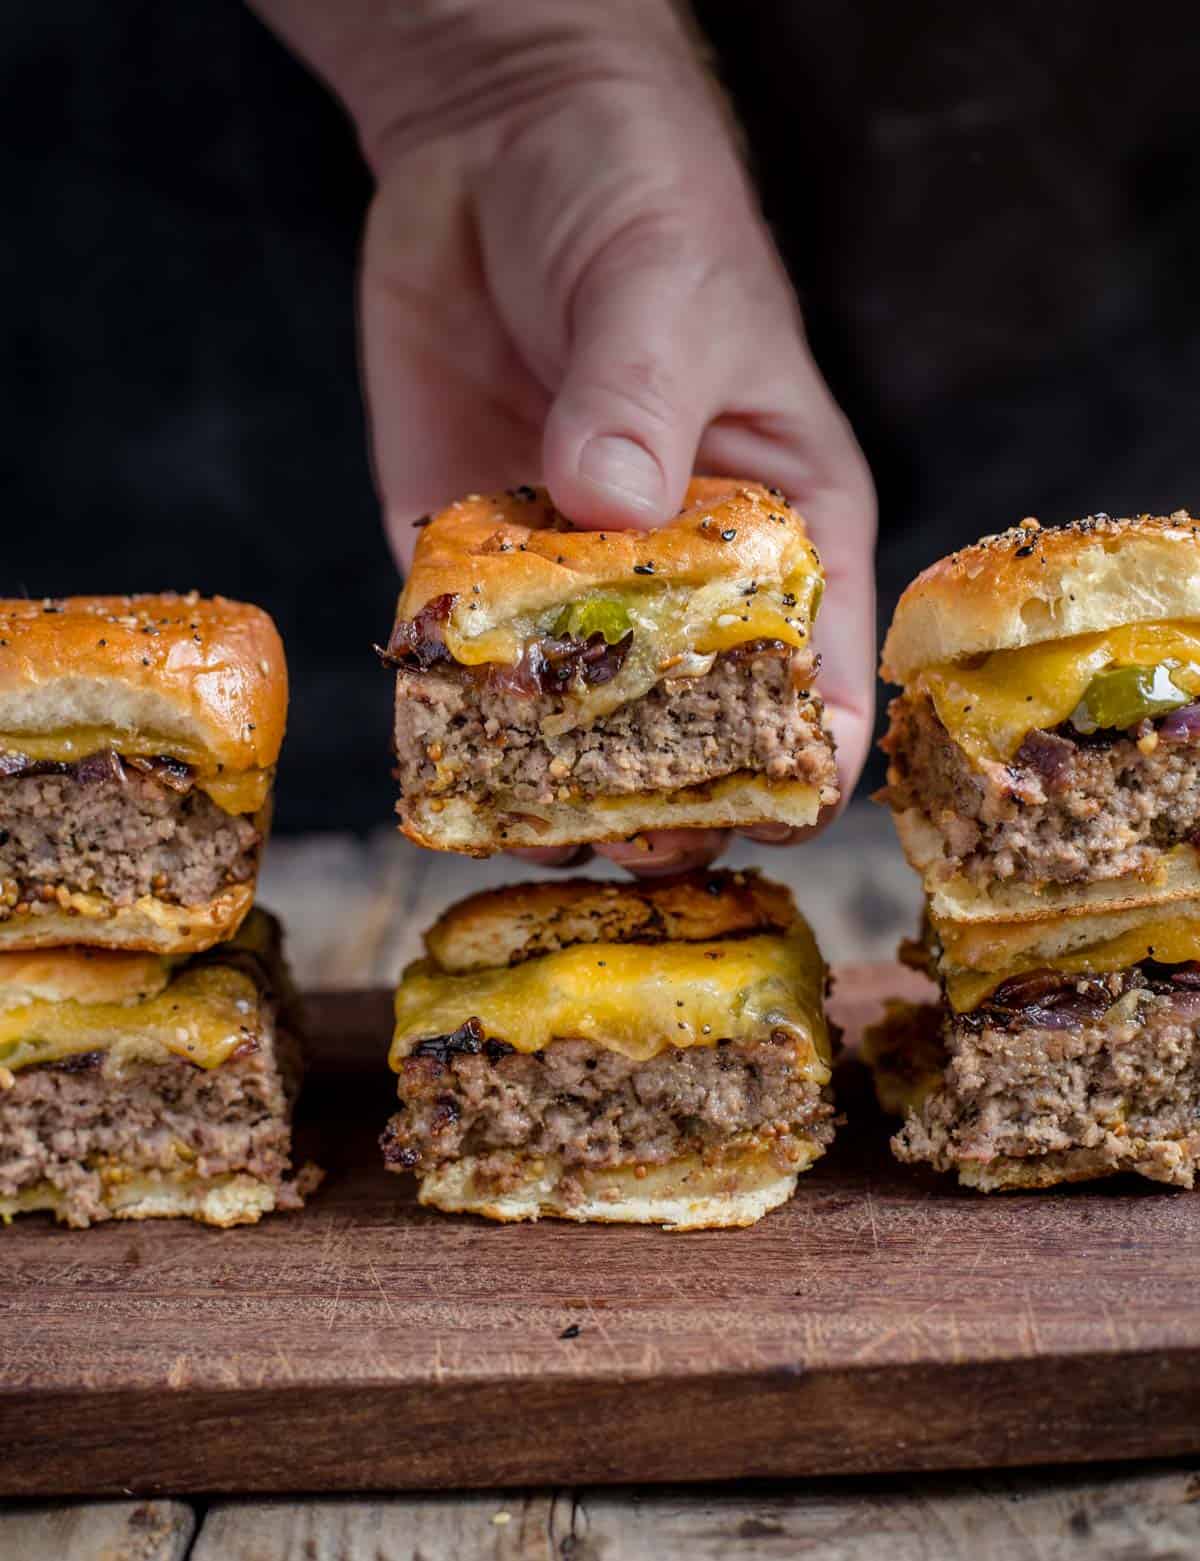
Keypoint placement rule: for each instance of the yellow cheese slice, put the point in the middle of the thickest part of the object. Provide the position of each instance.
(204, 1015)
(667, 622)
(989, 707)
(139, 1005)
(638, 1000)
(671, 626)
(244, 791)
(1173, 940)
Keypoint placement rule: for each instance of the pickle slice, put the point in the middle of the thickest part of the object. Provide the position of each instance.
(596, 615)
(1120, 697)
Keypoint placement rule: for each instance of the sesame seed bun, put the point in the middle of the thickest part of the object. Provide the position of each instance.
(1032, 584)
(206, 678)
(513, 553)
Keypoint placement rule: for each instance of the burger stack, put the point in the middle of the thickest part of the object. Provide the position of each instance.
(147, 1066)
(1044, 775)
(651, 1052)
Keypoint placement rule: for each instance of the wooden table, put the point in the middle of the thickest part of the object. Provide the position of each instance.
(354, 911)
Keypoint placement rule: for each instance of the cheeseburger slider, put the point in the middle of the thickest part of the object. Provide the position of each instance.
(1045, 751)
(134, 1085)
(654, 1053)
(138, 738)
(556, 686)
(1061, 1051)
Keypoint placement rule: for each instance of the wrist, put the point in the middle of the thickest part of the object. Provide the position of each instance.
(413, 71)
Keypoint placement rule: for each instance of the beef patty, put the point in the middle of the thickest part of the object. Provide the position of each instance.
(112, 830)
(750, 712)
(1062, 811)
(1101, 1073)
(596, 1108)
(61, 1122)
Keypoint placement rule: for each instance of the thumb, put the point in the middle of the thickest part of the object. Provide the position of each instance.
(622, 432)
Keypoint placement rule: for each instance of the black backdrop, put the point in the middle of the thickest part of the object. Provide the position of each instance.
(992, 214)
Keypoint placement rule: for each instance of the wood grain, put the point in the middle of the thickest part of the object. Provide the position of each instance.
(883, 1320)
(1109, 1515)
(499, 1527)
(98, 1531)
(1074, 1518)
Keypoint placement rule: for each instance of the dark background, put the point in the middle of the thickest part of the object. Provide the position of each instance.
(992, 215)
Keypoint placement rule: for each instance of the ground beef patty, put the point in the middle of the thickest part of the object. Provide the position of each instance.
(60, 1121)
(1107, 1078)
(596, 1108)
(122, 835)
(1062, 811)
(750, 712)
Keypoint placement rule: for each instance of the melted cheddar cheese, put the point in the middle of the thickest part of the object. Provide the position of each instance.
(134, 1005)
(244, 791)
(204, 1015)
(638, 1000)
(1172, 940)
(989, 706)
(671, 626)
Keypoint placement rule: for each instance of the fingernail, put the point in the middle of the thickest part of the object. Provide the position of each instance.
(624, 468)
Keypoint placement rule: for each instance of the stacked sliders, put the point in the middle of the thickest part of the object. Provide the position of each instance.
(146, 1064)
(1044, 773)
(652, 1053)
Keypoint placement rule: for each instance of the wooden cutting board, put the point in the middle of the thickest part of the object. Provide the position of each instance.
(883, 1320)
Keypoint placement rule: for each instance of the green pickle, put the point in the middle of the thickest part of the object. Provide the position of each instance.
(1122, 696)
(597, 615)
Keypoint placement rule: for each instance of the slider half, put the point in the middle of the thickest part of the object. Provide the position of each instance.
(1061, 1051)
(138, 741)
(557, 686)
(137, 1085)
(654, 1053)
(1044, 755)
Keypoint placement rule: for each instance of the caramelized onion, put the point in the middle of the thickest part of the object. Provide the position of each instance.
(555, 665)
(421, 639)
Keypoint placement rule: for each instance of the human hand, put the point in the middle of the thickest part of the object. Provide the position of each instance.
(565, 275)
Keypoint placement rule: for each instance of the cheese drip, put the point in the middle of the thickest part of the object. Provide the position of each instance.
(236, 792)
(670, 624)
(138, 1005)
(638, 1000)
(1173, 940)
(988, 708)
(204, 1015)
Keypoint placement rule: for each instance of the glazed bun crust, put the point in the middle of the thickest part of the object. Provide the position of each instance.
(513, 553)
(206, 675)
(503, 926)
(148, 925)
(1030, 584)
